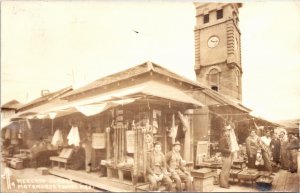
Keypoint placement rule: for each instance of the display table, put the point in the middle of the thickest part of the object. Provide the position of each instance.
(118, 172)
(234, 173)
(122, 170)
(239, 163)
(212, 165)
(248, 175)
(64, 157)
(203, 179)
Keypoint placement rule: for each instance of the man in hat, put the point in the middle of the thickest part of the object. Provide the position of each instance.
(156, 169)
(252, 147)
(275, 148)
(224, 148)
(292, 149)
(284, 161)
(176, 166)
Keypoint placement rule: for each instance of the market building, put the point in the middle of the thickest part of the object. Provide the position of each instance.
(117, 118)
(127, 112)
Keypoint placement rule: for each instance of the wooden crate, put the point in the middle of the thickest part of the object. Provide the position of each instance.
(203, 173)
(43, 170)
(16, 164)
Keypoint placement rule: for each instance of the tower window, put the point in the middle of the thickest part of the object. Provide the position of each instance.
(206, 18)
(213, 78)
(220, 14)
(215, 88)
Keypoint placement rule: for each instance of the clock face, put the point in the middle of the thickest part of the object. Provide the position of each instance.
(213, 41)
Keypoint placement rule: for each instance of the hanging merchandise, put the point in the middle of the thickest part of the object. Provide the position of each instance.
(73, 136)
(259, 129)
(57, 139)
(184, 120)
(7, 133)
(20, 134)
(156, 117)
(149, 142)
(98, 140)
(234, 147)
(173, 130)
(187, 135)
(14, 135)
(259, 159)
(147, 128)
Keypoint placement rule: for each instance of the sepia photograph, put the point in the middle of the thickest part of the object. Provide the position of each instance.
(150, 96)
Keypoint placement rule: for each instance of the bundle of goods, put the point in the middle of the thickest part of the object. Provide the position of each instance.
(127, 163)
(108, 162)
(16, 163)
(264, 183)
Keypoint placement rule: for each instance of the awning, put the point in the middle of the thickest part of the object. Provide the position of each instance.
(99, 103)
(168, 92)
(5, 123)
(151, 88)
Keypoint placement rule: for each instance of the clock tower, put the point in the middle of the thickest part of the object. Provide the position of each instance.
(217, 48)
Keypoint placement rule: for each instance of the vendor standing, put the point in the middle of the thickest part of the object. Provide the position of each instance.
(252, 147)
(88, 148)
(264, 143)
(292, 149)
(227, 146)
(284, 161)
(275, 147)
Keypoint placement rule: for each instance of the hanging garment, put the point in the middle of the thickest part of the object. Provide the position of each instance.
(14, 133)
(173, 130)
(14, 136)
(7, 133)
(234, 147)
(73, 137)
(57, 138)
(20, 134)
(259, 159)
(184, 120)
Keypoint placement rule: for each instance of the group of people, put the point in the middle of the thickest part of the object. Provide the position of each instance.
(164, 169)
(280, 150)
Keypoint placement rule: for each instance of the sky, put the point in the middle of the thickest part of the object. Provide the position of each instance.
(51, 45)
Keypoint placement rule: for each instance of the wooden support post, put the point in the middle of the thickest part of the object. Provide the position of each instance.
(121, 174)
(108, 149)
(109, 172)
(135, 166)
(115, 145)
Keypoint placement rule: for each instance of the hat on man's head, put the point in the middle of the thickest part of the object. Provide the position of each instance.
(290, 132)
(227, 127)
(176, 143)
(157, 143)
